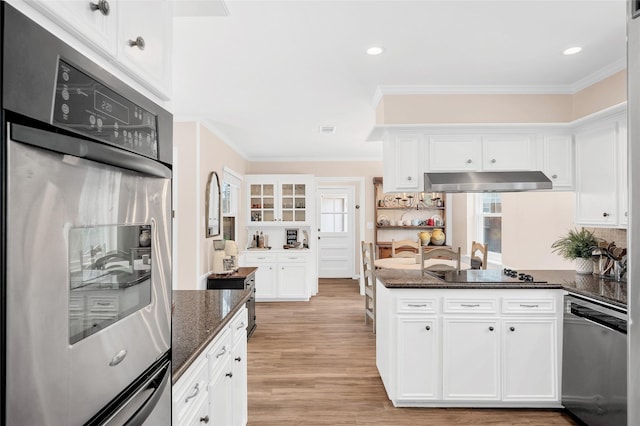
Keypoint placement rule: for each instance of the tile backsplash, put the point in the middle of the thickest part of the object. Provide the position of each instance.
(619, 236)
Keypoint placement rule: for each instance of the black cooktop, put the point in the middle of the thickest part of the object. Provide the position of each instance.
(485, 276)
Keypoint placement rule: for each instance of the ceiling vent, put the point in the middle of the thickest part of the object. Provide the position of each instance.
(325, 130)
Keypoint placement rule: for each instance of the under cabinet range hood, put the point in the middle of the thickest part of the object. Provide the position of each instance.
(485, 181)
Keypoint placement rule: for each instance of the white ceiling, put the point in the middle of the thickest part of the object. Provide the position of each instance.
(271, 72)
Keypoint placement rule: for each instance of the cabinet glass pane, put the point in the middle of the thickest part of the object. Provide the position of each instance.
(256, 189)
(256, 216)
(300, 216)
(256, 203)
(300, 189)
(268, 190)
(287, 189)
(268, 216)
(287, 203)
(287, 215)
(300, 203)
(268, 203)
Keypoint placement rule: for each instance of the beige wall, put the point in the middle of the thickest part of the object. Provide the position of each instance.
(502, 108)
(200, 152)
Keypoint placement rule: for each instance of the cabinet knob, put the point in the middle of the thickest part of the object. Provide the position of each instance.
(490, 328)
(409, 178)
(469, 161)
(238, 359)
(554, 176)
(204, 419)
(139, 41)
(428, 327)
(102, 5)
(493, 161)
(512, 328)
(605, 214)
(229, 374)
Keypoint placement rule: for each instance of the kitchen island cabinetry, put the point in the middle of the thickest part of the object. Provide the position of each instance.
(469, 347)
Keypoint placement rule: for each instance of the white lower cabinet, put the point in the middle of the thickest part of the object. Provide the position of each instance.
(281, 276)
(418, 373)
(472, 348)
(471, 359)
(213, 390)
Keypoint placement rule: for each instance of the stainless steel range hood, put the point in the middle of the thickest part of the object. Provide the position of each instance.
(485, 181)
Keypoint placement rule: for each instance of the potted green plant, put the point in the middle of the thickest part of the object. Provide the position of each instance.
(578, 245)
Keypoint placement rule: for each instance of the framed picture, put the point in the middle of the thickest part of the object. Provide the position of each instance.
(291, 236)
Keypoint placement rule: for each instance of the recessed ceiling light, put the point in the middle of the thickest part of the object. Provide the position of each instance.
(374, 50)
(572, 50)
(327, 129)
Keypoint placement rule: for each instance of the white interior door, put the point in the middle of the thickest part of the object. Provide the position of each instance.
(336, 232)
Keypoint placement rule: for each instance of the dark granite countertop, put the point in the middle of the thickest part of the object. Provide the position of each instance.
(605, 290)
(198, 316)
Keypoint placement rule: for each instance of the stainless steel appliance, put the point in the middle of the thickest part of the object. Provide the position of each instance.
(86, 248)
(505, 275)
(594, 362)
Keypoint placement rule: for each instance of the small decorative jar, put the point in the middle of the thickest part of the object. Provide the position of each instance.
(145, 237)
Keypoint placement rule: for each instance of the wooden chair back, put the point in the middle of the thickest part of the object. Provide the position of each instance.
(404, 248)
(478, 261)
(440, 253)
(368, 271)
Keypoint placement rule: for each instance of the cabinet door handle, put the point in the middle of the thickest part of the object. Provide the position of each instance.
(412, 305)
(522, 305)
(409, 177)
(139, 41)
(512, 328)
(493, 161)
(428, 327)
(195, 392)
(238, 359)
(241, 326)
(229, 374)
(469, 161)
(491, 328)
(554, 176)
(102, 5)
(224, 351)
(204, 419)
(605, 214)
(475, 305)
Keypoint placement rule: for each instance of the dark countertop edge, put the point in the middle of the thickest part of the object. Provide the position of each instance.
(178, 371)
(436, 283)
(242, 273)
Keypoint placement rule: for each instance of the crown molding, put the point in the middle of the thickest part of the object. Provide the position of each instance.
(599, 75)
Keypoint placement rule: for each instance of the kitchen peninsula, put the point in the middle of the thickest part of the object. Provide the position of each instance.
(476, 344)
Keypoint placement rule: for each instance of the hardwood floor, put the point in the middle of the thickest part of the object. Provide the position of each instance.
(313, 363)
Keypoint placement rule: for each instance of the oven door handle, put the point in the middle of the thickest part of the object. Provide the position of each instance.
(156, 385)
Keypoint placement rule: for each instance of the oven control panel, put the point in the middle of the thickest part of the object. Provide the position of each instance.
(86, 106)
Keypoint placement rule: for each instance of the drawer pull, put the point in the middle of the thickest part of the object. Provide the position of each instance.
(466, 305)
(204, 419)
(195, 392)
(413, 305)
(522, 305)
(224, 351)
(238, 359)
(103, 6)
(229, 374)
(104, 304)
(241, 326)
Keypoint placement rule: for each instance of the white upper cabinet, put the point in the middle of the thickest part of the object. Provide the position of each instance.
(597, 174)
(134, 35)
(402, 163)
(508, 152)
(280, 200)
(92, 21)
(144, 40)
(558, 161)
(453, 153)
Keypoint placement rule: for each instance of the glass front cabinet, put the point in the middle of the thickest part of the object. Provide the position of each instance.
(279, 199)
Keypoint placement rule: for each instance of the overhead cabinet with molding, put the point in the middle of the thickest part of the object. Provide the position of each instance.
(134, 35)
(275, 200)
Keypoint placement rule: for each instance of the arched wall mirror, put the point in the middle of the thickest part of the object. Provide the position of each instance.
(212, 205)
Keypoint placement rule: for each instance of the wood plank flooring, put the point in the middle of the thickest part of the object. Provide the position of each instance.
(313, 363)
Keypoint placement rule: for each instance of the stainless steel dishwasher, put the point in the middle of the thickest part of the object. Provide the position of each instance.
(594, 362)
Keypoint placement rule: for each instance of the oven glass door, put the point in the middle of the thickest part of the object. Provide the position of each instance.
(109, 276)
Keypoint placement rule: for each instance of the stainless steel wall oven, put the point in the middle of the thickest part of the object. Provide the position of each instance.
(86, 245)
